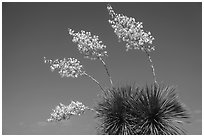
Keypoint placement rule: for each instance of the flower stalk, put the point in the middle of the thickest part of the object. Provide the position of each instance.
(69, 67)
(94, 81)
(132, 33)
(104, 64)
(152, 66)
(91, 47)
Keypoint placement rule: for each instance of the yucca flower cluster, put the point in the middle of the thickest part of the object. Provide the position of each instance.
(91, 47)
(130, 31)
(63, 112)
(69, 67)
(88, 44)
(130, 110)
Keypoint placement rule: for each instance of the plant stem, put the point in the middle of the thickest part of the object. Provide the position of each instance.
(104, 64)
(94, 80)
(152, 66)
(91, 109)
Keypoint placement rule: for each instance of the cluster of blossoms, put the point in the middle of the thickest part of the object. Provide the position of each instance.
(130, 31)
(63, 112)
(69, 67)
(88, 45)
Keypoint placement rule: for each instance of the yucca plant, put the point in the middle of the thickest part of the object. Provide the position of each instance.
(153, 110)
(113, 111)
(123, 110)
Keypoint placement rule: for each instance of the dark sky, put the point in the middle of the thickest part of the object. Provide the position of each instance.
(31, 31)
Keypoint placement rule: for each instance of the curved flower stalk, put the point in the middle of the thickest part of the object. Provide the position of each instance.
(63, 112)
(152, 66)
(69, 67)
(90, 46)
(131, 32)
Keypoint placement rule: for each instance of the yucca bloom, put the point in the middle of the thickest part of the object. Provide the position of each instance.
(69, 67)
(130, 31)
(88, 44)
(153, 110)
(91, 47)
(63, 112)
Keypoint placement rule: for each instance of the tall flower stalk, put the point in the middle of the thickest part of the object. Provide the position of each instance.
(69, 67)
(94, 81)
(106, 68)
(91, 47)
(131, 32)
(152, 66)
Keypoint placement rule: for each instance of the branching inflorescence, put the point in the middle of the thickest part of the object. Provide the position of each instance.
(88, 45)
(91, 47)
(69, 67)
(130, 31)
(63, 112)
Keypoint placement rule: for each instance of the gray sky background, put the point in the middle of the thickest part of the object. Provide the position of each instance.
(31, 31)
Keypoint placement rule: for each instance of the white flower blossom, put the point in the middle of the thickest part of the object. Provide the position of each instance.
(88, 45)
(69, 67)
(130, 31)
(63, 112)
